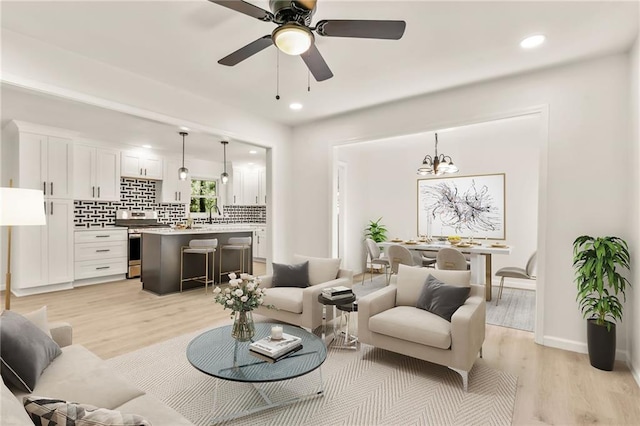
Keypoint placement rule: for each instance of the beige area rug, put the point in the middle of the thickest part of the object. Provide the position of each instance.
(367, 387)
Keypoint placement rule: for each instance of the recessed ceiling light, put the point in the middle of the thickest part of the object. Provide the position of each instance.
(146, 146)
(295, 106)
(253, 151)
(532, 41)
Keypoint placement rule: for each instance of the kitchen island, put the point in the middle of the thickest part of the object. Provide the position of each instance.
(160, 254)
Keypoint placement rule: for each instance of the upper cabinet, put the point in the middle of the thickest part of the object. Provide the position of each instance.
(173, 190)
(138, 164)
(45, 162)
(249, 186)
(96, 173)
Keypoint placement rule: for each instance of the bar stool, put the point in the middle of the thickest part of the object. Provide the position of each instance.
(240, 244)
(199, 247)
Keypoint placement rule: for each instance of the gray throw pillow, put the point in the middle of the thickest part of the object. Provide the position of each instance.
(46, 411)
(291, 275)
(441, 299)
(25, 351)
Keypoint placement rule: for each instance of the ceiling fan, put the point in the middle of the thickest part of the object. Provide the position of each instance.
(294, 34)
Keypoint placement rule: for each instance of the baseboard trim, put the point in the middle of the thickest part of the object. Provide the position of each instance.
(635, 372)
(515, 283)
(580, 347)
(42, 289)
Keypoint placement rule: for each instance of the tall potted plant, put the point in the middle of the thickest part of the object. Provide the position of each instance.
(597, 261)
(376, 231)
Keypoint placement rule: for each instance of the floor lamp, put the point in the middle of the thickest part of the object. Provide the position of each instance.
(19, 207)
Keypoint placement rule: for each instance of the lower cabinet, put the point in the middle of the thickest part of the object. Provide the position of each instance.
(260, 243)
(100, 253)
(43, 255)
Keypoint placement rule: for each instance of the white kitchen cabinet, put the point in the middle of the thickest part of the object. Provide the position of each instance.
(249, 186)
(173, 190)
(96, 173)
(46, 163)
(260, 243)
(141, 165)
(43, 255)
(100, 253)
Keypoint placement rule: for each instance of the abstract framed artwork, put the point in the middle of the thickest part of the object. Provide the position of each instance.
(468, 206)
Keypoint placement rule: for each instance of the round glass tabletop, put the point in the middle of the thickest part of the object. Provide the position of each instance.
(217, 354)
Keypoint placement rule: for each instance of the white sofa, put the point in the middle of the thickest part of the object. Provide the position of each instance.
(300, 306)
(78, 375)
(389, 319)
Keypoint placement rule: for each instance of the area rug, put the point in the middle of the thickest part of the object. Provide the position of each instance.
(366, 387)
(515, 310)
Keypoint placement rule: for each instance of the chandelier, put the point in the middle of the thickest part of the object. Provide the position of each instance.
(437, 165)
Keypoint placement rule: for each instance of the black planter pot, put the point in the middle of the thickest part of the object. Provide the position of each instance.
(602, 345)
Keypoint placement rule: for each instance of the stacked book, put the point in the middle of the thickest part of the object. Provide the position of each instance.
(336, 293)
(272, 350)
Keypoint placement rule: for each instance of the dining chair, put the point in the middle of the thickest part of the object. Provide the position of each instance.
(451, 259)
(398, 255)
(375, 259)
(516, 272)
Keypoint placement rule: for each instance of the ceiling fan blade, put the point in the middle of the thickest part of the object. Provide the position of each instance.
(247, 51)
(389, 30)
(246, 8)
(316, 64)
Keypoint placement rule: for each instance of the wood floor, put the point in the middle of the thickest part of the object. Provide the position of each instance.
(554, 386)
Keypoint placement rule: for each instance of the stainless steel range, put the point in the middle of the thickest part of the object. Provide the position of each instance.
(136, 221)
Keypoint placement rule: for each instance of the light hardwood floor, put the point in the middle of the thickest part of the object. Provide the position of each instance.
(554, 386)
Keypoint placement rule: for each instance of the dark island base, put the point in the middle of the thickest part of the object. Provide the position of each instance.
(161, 260)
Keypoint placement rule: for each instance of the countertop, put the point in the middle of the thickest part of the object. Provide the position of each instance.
(102, 228)
(194, 231)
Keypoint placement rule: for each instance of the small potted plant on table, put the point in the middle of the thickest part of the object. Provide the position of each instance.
(596, 261)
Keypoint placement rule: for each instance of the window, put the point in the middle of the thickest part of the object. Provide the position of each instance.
(204, 196)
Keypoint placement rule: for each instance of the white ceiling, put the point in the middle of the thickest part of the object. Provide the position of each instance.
(446, 44)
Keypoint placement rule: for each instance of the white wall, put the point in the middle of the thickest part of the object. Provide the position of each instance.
(634, 218)
(29, 63)
(389, 181)
(580, 193)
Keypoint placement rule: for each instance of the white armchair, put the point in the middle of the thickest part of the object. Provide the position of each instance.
(300, 306)
(388, 319)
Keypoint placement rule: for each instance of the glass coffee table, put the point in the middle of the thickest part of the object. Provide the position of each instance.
(217, 354)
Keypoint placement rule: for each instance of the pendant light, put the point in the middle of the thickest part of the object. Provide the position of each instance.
(183, 171)
(224, 177)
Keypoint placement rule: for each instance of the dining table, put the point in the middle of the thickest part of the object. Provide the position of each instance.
(479, 253)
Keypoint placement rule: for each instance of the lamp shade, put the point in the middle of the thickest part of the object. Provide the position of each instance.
(21, 207)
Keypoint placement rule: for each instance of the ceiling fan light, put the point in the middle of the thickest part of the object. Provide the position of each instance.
(224, 177)
(452, 168)
(292, 39)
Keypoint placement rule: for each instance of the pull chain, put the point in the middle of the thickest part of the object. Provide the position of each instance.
(277, 74)
(308, 81)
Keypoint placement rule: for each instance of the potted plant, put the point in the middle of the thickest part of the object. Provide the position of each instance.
(597, 262)
(376, 231)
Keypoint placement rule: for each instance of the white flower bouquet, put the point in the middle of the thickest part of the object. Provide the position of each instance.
(243, 294)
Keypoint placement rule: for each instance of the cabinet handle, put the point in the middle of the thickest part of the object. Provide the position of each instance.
(180, 196)
(256, 199)
(145, 172)
(102, 250)
(234, 199)
(140, 171)
(44, 188)
(103, 267)
(265, 199)
(98, 192)
(175, 196)
(258, 239)
(93, 191)
(45, 208)
(51, 188)
(52, 208)
(102, 236)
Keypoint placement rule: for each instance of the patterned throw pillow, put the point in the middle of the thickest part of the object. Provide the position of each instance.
(54, 412)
